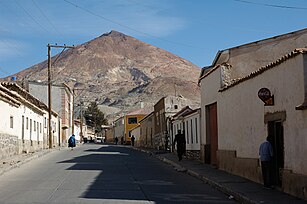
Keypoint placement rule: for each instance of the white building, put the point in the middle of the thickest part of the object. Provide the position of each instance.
(22, 125)
(235, 121)
(188, 122)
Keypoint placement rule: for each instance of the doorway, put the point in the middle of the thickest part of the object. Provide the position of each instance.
(275, 130)
(211, 146)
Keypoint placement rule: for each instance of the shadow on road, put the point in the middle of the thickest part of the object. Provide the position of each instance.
(115, 180)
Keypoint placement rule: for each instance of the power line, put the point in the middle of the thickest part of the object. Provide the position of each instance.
(273, 5)
(128, 27)
(33, 19)
(41, 11)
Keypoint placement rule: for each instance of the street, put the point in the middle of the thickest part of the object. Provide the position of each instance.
(103, 174)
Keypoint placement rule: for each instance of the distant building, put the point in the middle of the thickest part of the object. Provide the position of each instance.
(147, 131)
(132, 120)
(61, 102)
(188, 122)
(163, 110)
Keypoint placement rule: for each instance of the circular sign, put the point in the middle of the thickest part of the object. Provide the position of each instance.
(264, 94)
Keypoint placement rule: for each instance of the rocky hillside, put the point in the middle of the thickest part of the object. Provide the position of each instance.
(120, 71)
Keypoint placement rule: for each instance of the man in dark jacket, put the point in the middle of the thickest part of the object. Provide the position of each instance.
(180, 140)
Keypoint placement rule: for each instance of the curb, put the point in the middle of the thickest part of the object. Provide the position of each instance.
(232, 194)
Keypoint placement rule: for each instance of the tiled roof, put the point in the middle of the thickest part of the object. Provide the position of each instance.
(265, 68)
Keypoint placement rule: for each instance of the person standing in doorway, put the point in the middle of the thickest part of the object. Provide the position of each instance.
(266, 155)
(180, 140)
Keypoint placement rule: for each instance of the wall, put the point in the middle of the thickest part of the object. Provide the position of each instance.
(192, 133)
(245, 134)
(146, 131)
(250, 57)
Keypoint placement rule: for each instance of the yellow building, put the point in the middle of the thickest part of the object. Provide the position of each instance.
(132, 120)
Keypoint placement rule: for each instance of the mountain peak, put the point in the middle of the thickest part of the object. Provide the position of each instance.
(114, 33)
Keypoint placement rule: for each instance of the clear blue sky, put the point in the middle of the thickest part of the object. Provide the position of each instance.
(192, 29)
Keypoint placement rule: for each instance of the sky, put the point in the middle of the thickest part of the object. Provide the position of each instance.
(192, 29)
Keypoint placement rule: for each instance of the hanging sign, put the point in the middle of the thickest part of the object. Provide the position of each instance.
(265, 95)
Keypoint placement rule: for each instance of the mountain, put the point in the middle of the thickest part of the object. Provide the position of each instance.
(120, 71)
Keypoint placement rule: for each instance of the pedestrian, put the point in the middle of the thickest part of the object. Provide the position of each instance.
(132, 140)
(116, 140)
(122, 140)
(72, 142)
(266, 155)
(180, 140)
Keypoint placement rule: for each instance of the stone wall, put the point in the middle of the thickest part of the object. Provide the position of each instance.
(245, 167)
(294, 184)
(193, 154)
(8, 146)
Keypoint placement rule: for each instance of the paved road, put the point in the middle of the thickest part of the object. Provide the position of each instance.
(102, 174)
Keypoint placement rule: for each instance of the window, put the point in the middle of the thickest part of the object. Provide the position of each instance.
(157, 118)
(11, 121)
(132, 120)
(192, 140)
(45, 122)
(196, 130)
(40, 128)
(187, 127)
(34, 125)
(176, 106)
(27, 123)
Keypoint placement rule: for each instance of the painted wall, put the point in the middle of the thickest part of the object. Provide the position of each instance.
(250, 57)
(192, 131)
(241, 102)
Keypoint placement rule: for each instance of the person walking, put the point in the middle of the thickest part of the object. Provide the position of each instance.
(132, 140)
(116, 140)
(180, 140)
(266, 155)
(72, 142)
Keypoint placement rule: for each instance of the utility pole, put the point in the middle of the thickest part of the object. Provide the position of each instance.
(81, 122)
(49, 88)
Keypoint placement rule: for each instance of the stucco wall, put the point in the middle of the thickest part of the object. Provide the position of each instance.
(248, 58)
(241, 113)
(192, 144)
(210, 86)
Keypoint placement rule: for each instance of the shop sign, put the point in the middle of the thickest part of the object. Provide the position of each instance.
(265, 95)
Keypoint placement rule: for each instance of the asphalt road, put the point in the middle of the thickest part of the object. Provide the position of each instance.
(103, 174)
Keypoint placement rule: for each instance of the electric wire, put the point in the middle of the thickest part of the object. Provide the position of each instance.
(273, 5)
(128, 27)
(49, 21)
(33, 19)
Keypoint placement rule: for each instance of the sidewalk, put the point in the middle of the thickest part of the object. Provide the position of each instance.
(238, 188)
(18, 160)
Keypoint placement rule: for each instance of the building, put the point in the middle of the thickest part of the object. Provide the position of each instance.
(187, 121)
(119, 129)
(132, 120)
(61, 102)
(146, 131)
(136, 133)
(252, 91)
(23, 117)
(164, 109)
